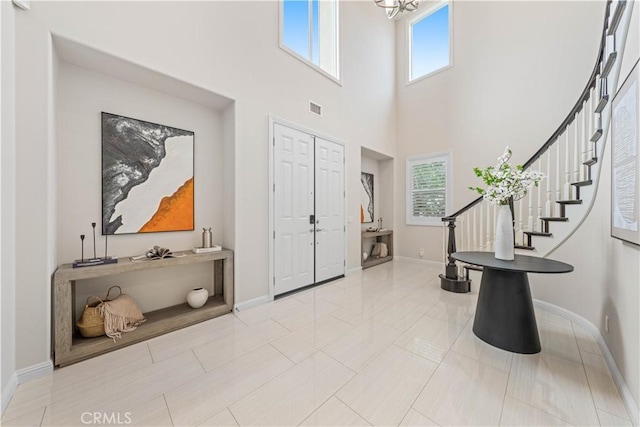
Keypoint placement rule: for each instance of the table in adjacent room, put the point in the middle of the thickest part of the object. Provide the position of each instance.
(504, 313)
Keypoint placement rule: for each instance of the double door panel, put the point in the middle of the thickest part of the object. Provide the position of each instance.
(308, 209)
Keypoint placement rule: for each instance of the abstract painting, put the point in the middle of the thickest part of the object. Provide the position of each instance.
(366, 203)
(625, 161)
(147, 177)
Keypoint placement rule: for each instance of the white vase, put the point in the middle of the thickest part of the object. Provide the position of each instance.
(197, 297)
(503, 247)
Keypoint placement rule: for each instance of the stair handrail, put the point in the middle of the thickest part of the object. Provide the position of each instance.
(566, 122)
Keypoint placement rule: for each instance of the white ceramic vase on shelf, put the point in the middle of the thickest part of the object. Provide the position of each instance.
(503, 246)
(197, 297)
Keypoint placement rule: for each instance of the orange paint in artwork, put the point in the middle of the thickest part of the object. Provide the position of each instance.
(175, 212)
(361, 214)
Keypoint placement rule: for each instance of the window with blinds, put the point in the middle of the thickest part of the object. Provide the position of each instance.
(428, 189)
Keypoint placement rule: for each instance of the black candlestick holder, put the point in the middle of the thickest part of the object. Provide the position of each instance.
(90, 262)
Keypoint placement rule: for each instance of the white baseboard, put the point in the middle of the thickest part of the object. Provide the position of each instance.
(8, 391)
(627, 398)
(353, 271)
(35, 371)
(22, 376)
(422, 261)
(245, 305)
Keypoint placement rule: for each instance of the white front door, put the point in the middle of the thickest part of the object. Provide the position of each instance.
(293, 206)
(329, 209)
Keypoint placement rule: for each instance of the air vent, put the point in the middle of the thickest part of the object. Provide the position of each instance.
(315, 108)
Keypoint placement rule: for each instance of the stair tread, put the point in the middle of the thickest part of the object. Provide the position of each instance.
(608, 65)
(602, 103)
(615, 18)
(596, 136)
(554, 218)
(525, 247)
(582, 183)
(538, 233)
(569, 202)
(591, 161)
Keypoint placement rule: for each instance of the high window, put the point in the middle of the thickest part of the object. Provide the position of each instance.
(309, 31)
(430, 41)
(428, 189)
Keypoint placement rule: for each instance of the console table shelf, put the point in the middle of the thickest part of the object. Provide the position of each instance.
(383, 236)
(70, 347)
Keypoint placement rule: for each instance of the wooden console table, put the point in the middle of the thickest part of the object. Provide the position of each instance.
(70, 347)
(384, 236)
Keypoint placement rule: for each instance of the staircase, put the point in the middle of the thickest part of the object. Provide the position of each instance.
(570, 159)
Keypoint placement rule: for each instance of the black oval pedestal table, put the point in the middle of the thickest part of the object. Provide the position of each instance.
(504, 313)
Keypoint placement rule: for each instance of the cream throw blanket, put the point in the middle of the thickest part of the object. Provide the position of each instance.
(120, 315)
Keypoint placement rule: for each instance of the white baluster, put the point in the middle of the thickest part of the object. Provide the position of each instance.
(547, 209)
(461, 233)
(593, 101)
(530, 223)
(539, 191)
(488, 237)
(494, 218)
(576, 150)
(520, 222)
(475, 230)
(481, 228)
(567, 168)
(558, 187)
(585, 139)
(469, 231)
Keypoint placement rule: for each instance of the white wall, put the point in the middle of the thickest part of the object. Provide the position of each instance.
(607, 274)
(518, 68)
(7, 201)
(229, 48)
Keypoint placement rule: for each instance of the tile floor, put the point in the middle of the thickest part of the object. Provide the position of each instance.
(382, 347)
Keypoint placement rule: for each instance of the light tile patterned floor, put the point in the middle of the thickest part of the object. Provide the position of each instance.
(382, 347)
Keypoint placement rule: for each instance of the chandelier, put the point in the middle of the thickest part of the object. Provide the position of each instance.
(394, 7)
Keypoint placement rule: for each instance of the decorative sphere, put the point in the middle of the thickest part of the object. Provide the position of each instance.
(197, 297)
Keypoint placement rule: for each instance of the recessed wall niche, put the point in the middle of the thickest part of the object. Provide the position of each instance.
(381, 167)
(88, 82)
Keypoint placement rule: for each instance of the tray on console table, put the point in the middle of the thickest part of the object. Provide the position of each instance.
(70, 348)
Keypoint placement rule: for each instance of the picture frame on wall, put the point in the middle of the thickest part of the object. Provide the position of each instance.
(147, 176)
(625, 160)
(366, 200)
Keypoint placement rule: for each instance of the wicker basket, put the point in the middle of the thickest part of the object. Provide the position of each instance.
(91, 324)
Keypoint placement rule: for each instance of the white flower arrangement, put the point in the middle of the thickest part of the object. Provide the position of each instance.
(504, 181)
